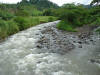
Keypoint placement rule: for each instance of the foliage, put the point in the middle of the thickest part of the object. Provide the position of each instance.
(22, 13)
(6, 15)
(65, 26)
(48, 12)
(75, 16)
(12, 27)
(98, 30)
(32, 21)
(3, 29)
(43, 4)
(50, 19)
(22, 23)
(17, 17)
(40, 4)
(27, 13)
(30, 9)
(96, 22)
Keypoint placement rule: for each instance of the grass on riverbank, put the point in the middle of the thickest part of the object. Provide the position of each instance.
(16, 24)
(64, 26)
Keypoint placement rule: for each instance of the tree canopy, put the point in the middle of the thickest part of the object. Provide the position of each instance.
(41, 4)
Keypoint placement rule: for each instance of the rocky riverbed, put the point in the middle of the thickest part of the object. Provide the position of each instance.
(45, 50)
(58, 41)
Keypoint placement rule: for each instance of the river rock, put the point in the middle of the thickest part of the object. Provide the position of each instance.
(80, 46)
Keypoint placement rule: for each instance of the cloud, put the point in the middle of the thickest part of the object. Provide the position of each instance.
(9, 1)
(59, 2)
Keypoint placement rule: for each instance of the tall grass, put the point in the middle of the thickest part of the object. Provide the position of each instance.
(3, 29)
(12, 27)
(19, 23)
(22, 23)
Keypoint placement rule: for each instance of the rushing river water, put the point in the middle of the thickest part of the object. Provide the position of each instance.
(19, 56)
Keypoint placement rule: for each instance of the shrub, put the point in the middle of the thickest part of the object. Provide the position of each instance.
(3, 29)
(96, 22)
(12, 27)
(71, 16)
(50, 19)
(48, 12)
(22, 13)
(22, 23)
(6, 15)
(65, 26)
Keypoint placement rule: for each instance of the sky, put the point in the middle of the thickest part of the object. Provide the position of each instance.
(59, 2)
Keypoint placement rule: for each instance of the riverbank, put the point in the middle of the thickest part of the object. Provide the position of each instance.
(18, 23)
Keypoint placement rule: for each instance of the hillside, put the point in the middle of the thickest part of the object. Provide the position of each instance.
(40, 4)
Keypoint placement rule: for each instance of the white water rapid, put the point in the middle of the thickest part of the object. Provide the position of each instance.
(19, 56)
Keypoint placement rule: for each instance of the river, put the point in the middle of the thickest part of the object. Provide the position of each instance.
(19, 56)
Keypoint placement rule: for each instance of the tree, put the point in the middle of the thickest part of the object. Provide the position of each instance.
(33, 1)
(24, 1)
(41, 4)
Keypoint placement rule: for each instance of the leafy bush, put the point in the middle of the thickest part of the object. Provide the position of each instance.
(48, 12)
(72, 16)
(6, 15)
(22, 13)
(65, 26)
(50, 19)
(3, 29)
(12, 27)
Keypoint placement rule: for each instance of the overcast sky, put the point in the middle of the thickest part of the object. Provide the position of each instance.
(59, 2)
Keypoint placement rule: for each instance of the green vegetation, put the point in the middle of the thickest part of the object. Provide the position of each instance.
(98, 30)
(73, 16)
(28, 13)
(64, 26)
(20, 23)
(5, 15)
(25, 14)
(12, 27)
(3, 29)
(40, 4)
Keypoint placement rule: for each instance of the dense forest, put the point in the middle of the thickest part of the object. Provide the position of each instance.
(25, 14)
